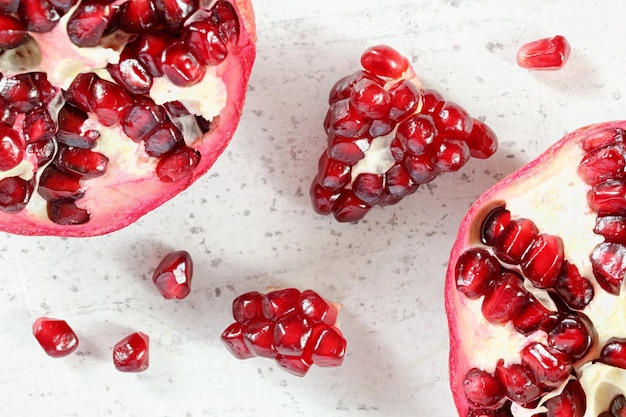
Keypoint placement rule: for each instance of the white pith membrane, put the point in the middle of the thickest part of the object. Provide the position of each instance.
(53, 53)
(554, 197)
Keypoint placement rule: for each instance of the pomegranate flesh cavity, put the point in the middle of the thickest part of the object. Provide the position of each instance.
(55, 336)
(535, 285)
(109, 109)
(544, 54)
(173, 275)
(387, 135)
(296, 329)
(132, 353)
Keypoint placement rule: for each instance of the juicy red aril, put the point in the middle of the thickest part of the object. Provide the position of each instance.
(335, 174)
(131, 74)
(476, 272)
(55, 184)
(453, 121)
(350, 208)
(451, 156)
(609, 266)
(322, 198)
(39, 15)
(180, 66)
(418, 134)
(505, 300)
(163, 139)
(73, 128)
(575, 290)
(398, 184)
(173, 275)
(514, 240)
(66, 212)
(177, 164)
(607, 197)
(601, 164)
(614, 353)
(482, 388)
(569, 334)
(56, 337)
(532, 315)
(544, 54)
(370, 99)
(89, 22)
(81, 162)
(204, 41)
(24, 92)
(132, 353)
(12, 148)
(404, 100)
(542, 261)
(15, 192)
(519, 382)
(294, 328)
(174, 13)
(109, 102)
(12, 32)
(550, 366)
(570, 402)
(136, 16)
(384, 61)
(38, 125)
(482, 140)
(611, 228)
(369, 187)
(494, 225)
(618, 406)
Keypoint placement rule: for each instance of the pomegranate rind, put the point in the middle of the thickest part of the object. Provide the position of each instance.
(125, 201)
(462, 332)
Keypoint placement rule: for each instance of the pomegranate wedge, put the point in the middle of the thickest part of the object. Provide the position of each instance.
(110, 109)
(535, 285)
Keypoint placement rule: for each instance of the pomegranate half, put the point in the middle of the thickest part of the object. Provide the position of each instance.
(110, 108)
(534, 287)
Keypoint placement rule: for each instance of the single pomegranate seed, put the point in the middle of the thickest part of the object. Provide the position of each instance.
(343, 87)
(544, 54)
(369, 187)
(329, 347)
(259, 338)
(291, 333)
(72, 129)
(174, 13)
(143, 119)
(12, 32)
(223, 14)
(607, 197)
(39, 15)
(38, 125)
(432, 102)
(494, 224)
(476, 271)
(370, 99)
(314, 307)
(180, 66)
(618, 406)
(295, 365)
(163, 139)
(612, 228)
(550, 366)
(204, 42)
(405, 98)
(278, 302)
(571, 402)
(482, 388)
(56, 337)
(89, 22)
(15, 193)
(21, 91)
(519, 382)
(600, 138)
(79, 91)
(420, 168)
(66, 212)
(601, 164)
(322, 198)
(7, 113)
(43, 150)
(148, 48)
(349, 208)
(81, 162)
(568, 333)
(514, 240)
(482, 140)
(419, 134)
(345, 121)
(132, 353)
(335, 175)
(57, 185)
(131, 74)
(575, 290)
(453, 121)
(12, 148)
(542, 261)
(347, 150)
(532, 315)
(178, 164)
(614, 353)
(248, 307)
(173, 274)
(232, 338)
(506, 299)
(136, 16)
(384, 61)
(109, 102)
(398, 184)
(451, 156)
(608, 261)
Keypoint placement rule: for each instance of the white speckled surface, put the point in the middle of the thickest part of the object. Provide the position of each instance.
(249, 225)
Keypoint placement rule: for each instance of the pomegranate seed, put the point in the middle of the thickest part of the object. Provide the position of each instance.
(482, 140)
(180, 66)
(347, 150)
(56, 337)
(15, 193)
(204, 42)
(66, 212)
(279, 302)
(323, 199)
(618, 406)
(608, 261)
(343, 87)
(136, 16)
(7, 113)
(21, 91)
(601, 164)
(12, 32)
(57, 185)
(38, 125)
(612, 228)
(384, 61)
(476, 271)
(163, 139)
(248, 307)
(482, 388)
(223, 14)
(131, 74)
(398, 184)
(329, 347)
(369, 187)
(174, 13)
(143, 119)
(81, 162)
(345, 121)
(405, 98)
(295, 365)
(397, 148)
(70, 131)
(542, 261)
(12, 148)
(453, 121)
(132, 354)
(574, 289)
(519, 382)
(550, 366)
(420, 168)
(259, 338)
(335, 174)
(370, 99)
(607, 197)
(173, 274)
(494, 225)
(544, 54)
(614, 353)
(514, 240)
(291, 333)
(349, 208)
(419, 134)
(79, 91)
(232, 338)
(603, 137)
(9, 6)
(432, 102)
(506, 299)
(451, 156)
(148, 48)
(532, 315)
(43, 150)
(569, 334)
(89, 22)
(178, 164)
(39, 15)
(570, 402)
(109, 102)
(315, 308)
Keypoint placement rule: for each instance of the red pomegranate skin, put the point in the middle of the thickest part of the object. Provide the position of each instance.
(130, 200)
(460, 354)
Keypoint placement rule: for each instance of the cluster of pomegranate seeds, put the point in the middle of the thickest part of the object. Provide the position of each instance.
(52, 138)
(173, 275)
(544, 54)
(387, 135)
(132, 353)
(55, 336)
(296, 329)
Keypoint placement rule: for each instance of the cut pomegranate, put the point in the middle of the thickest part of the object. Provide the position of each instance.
(127, 102)
(132, 353)
(173, 275)
(534, 289)
(56, 337)
(544, 54)
(387, 135)
(296, 329)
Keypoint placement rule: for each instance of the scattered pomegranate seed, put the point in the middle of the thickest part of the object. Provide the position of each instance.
(296, 329)
(131, 354)
(173, 275)
(56, 337)
(544, 54)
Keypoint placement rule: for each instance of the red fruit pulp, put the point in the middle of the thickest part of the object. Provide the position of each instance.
(173, 275)
(152, 105)
(55, 336)
(132, 353)
(534, 288)
(544, 54)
